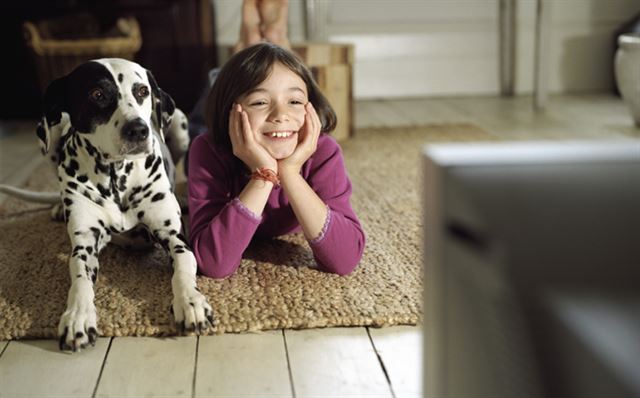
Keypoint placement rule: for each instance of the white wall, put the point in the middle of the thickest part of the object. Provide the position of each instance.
(408, 48)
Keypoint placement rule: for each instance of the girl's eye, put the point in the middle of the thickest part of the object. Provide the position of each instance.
(258, 103)
(96, 94)
(296, 102)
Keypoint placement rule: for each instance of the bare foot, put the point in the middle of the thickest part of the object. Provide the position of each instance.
(274, 15)
(250, 26)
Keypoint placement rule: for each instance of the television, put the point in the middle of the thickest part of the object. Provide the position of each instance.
(532, 269)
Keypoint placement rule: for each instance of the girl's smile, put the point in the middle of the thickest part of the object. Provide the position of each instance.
(276, 111)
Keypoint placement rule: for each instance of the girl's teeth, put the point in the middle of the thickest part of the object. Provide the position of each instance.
(280, 135)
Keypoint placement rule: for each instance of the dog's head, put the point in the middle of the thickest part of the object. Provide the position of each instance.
(114, 101)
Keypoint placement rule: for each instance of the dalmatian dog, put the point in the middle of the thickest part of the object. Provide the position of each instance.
(113, 135)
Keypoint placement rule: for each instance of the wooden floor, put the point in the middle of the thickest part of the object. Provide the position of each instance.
(334, 362)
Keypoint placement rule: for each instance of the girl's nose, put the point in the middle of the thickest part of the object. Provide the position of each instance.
(278, 115)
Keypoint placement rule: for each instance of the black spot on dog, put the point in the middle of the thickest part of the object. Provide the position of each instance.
(183, 125)
(122, 183)
(72, 152)
(104, 191)
(90, 250)
(128, 168)
(120, 77)
(116, 123)
(83, 178)
(184, 240)
(137, 74)
(167, 223)
(67, 201)
(140, 214)
(149, 161)
(101, 168)
(129, 104)
(157, 197)
(91, 150)
(156, 164)
(72, 185)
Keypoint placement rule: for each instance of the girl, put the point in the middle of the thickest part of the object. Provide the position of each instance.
(266, 169)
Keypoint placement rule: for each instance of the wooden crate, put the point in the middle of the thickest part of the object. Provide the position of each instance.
(332, 68)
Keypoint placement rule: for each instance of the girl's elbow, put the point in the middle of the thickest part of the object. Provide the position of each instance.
(340, 268)
(217, 272)
(212, 268)
(344, 271)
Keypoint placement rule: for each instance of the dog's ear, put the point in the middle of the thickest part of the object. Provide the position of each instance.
(163, 106)
(54, 102)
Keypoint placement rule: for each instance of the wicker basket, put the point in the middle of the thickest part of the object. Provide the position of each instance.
(57, 56)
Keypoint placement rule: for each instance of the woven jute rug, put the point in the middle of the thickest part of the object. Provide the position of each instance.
(276, 285)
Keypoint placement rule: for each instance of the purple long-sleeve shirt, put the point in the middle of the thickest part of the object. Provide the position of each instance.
(221, 227)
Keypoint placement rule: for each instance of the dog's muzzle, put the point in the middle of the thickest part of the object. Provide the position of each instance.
(135, 134)
(135, 130)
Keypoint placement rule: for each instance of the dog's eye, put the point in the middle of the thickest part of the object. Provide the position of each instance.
(96, 94)
(143, 91)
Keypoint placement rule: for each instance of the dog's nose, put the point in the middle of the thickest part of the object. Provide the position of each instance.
(135, 130)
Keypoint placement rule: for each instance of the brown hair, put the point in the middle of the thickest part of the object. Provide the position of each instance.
(245, 71)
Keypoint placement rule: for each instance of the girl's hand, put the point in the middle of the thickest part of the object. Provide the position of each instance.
(307, 144)
(244, 144)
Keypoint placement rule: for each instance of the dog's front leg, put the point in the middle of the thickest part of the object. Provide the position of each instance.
(191, 310)
(78, 324)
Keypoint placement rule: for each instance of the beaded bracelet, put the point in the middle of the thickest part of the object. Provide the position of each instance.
(266, 174)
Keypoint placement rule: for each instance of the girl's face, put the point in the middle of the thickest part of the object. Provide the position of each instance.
(276, 111)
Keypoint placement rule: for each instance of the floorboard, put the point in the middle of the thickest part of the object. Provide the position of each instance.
(400, 349)
(149, 367)
(335, 362)
(249, 365)
(36, 368)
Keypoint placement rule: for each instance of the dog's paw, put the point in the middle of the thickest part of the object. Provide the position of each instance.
(78, 327)
(192, 312)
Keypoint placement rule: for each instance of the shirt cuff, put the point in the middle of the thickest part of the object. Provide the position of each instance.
(325, 228)
(237, 203)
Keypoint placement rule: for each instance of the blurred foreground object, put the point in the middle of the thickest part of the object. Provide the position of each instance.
(532, 269)
(627, 69)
